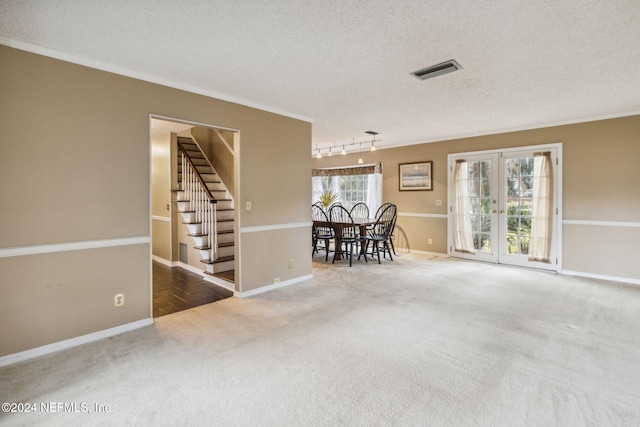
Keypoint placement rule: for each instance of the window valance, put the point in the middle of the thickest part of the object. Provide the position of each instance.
(351, 170)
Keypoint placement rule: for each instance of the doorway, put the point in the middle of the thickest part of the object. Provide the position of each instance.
(505, 206)
(183, 239)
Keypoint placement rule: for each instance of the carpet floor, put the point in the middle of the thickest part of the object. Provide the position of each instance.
(420, 341)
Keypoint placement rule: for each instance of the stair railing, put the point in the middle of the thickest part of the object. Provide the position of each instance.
(201, 201)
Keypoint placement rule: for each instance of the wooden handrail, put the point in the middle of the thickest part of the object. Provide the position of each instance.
(195, 171)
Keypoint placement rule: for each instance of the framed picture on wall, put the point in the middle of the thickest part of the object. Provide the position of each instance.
(416, 176)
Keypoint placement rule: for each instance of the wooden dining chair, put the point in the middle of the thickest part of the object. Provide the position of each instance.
(321, 232)
(381, 209)
(391, 236)
(349, 233)
(379, 235)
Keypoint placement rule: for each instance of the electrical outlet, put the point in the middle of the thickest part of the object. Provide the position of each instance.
(118, 300)
(248, 206)
(430, 241)
(438, 202)
(276, 280)
(290, 263)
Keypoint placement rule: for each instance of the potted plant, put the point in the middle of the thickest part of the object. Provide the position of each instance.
(328, 198)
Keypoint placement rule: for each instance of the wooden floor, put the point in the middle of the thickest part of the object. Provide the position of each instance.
(176, 289)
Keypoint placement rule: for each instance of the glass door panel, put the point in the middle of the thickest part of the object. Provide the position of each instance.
(516, 208)
(497, 205)
(519, 182)
(479, 184)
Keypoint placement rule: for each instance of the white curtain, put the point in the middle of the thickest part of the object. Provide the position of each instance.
(334, 185)
(542, 208)
(374, 192)
(316, 188)
(462, 231)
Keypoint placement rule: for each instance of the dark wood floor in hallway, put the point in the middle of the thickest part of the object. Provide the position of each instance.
(176, 289)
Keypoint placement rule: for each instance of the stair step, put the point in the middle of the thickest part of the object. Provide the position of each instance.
(204, 169)
(220, 245)
(225, 237)
(224, 214)
(219, 260)
(225, 225)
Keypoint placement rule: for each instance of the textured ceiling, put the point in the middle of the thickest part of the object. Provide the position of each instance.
(345, 65)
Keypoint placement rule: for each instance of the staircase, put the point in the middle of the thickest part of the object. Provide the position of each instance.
(207, 209)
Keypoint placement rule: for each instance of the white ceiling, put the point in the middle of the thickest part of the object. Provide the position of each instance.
(345, 65)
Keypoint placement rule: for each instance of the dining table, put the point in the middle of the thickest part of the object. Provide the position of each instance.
(337, 226)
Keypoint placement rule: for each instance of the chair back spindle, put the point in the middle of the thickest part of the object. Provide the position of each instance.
(360, 211)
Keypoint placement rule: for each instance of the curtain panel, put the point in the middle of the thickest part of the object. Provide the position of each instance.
(351, 170)
(462, 231)
(542, 208)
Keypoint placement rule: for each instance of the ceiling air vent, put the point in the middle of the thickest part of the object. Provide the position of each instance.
(437, 70)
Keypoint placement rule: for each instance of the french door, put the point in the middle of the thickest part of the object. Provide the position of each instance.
(504, 206)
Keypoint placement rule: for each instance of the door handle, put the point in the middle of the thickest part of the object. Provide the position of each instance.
(495, 211)
(501, 211)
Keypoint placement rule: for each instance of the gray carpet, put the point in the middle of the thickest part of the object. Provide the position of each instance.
(418, 341)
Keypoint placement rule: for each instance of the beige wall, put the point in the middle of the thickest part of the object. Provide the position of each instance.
(282, 157)
(85, 133)
(161, 196)
(600, 180)
(272, 256)
(56, 296)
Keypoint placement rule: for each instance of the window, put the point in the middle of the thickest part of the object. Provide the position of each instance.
(353, 189)
(352, 185)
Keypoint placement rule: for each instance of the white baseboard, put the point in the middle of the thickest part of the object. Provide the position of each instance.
(219, 282)
(601, 277)
(73, 342)
(164, 261)
(274, 286)
(400, 251)
(188, 267)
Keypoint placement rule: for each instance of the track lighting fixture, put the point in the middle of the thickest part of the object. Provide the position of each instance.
(329, 152)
